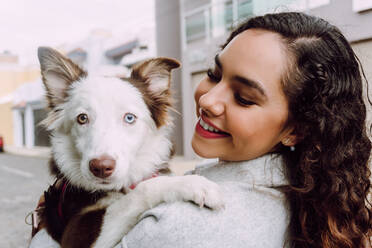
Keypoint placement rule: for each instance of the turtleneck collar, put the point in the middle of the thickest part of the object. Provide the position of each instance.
(263, 171)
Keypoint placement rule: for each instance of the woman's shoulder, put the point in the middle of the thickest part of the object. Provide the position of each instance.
(257, 215)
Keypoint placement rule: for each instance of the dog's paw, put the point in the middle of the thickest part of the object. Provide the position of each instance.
(201, 191)
(193, 188)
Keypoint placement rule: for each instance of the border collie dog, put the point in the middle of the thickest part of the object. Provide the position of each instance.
(109, 137)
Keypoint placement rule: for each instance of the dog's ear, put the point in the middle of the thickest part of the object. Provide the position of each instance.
(152, 77)
(155, 73)
(58, 73)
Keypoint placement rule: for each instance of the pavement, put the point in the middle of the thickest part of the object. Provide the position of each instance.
(23, 177)
(22, 181)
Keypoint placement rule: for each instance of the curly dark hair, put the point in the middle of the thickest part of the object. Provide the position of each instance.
(329, 171)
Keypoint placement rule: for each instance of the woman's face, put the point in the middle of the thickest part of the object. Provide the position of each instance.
(241, 101)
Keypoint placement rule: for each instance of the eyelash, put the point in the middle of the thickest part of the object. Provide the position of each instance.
(243, 101)
(212, 76)
(215, 78)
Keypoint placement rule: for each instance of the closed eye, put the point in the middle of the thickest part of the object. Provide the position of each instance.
(242, 101)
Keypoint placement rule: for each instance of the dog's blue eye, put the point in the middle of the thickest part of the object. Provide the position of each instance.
(129, 118)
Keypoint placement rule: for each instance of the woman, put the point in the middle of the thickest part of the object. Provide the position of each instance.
(283, 111)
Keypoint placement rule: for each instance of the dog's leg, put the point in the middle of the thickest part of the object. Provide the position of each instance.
(123, 214)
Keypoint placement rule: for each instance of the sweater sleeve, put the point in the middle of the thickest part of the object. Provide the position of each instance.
(253, 217)
(43, 240)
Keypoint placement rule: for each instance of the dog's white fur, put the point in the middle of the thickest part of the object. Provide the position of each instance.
(136, 148)
(122, 213)
(139, 149)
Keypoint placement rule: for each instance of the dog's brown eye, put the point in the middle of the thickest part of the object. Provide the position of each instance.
(82, 119)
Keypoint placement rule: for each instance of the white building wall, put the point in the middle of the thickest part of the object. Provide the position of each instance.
(29, 127)
(18, 130)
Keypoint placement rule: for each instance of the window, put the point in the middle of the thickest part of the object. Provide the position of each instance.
(220, 16)
(228, 15)
(40, 133)
(245, 9)
(195, 26)
(303, 5)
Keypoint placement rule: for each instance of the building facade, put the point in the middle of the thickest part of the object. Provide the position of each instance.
(12, 77)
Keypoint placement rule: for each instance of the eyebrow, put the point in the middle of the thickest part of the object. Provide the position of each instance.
(246, 81)
(251, 83)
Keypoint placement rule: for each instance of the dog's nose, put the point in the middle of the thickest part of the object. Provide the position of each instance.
(103, 166)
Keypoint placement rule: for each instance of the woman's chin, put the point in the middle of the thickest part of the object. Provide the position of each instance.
(203, 150)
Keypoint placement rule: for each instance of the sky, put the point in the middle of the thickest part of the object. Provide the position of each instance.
(27, 24)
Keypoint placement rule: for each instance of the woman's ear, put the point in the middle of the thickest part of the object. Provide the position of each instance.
(289, 141)
(291, 138)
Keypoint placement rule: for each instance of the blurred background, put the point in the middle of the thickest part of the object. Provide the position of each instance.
(111, 36)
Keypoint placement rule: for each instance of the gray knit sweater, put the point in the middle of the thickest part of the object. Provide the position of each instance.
(255, 214)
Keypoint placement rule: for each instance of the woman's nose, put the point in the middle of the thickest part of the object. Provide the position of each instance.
(213, 101)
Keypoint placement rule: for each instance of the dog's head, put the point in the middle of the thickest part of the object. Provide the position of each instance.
(107, 132)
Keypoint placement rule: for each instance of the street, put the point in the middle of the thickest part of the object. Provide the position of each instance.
(22, 181)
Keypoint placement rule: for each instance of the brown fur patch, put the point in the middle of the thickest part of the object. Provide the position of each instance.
(157, 104)
(157, 99)
(55, 65)
(72, 202)
(83, 230)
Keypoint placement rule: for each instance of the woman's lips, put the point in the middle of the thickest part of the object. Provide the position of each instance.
(209, 134)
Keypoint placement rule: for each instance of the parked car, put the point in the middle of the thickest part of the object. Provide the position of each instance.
(1, 144)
